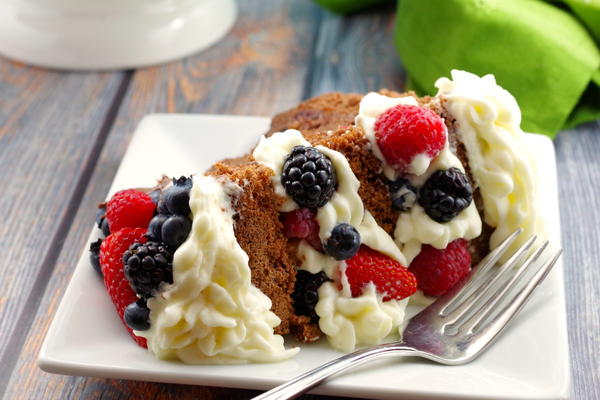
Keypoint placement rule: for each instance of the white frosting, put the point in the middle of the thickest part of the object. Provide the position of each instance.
(371, 107)
(488, 123)
(212, 312)
(364, 320)
(416, 225)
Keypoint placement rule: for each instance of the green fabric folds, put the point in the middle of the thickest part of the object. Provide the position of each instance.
(538, 52)
(349, 6)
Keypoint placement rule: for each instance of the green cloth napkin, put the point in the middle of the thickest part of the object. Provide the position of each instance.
(588, 11)
(538, 52)
(349, 6)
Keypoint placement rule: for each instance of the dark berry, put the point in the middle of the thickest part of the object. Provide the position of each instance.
(155, 226)
(177, 196)
(309, 177)
(155, 196)
(306, 293)
(137, 316)
(343, 243)
(445, 194)
(404, 195)
(175, 230)
(94, 252)
(105, 228)
(100, 216)
(148, 265)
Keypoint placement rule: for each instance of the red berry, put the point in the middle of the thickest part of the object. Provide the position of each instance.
(437, 271)
(129, 208)
(403, 132)
(111, 262)
(389, 276)
(302, 224)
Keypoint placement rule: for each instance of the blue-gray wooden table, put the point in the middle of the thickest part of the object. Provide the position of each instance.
(63, 134)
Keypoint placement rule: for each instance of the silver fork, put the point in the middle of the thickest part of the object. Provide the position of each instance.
(459, 325)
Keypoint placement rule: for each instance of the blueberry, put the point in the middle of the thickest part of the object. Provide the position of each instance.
(155, 196)
(105, 228)
(175, 230)
(404, 195)
(100, 216)
(137, 316)
(343, 243)
(177, 196)
(155, 226)
(94, 255)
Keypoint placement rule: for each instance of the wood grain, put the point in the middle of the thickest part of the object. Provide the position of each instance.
(579, 176)
(43, 153)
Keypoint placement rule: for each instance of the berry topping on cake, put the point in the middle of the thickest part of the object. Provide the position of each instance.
(111, 254)
(176, 197)
(404, 195)
(147, 265)
(306, 294)
(101, 220)
(175, 230)
(137, 316)
(404, 132)
(389, 276)
(437, 271)
(302, 224)
(343, 243)
(309, 177)
(94, 253)
(155, 196)
(155, 226)
(445, 194)
(129, 208)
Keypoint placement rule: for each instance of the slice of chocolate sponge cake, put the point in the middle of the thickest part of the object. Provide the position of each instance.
(345, 209)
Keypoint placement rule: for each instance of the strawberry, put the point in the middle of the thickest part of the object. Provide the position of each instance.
(129, 208)
(437, 271)
(389, 276)
(302, 224)
(404, 132)
(111, 253)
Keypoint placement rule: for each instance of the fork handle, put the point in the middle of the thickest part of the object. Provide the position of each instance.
(312, 378)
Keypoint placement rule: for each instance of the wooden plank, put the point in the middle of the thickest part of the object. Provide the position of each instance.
(50, 129)
(259, 68)
(578, 176)
(356, 54)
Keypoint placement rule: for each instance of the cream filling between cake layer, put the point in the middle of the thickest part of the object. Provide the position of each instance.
(212, 312)
(347, 321)
(488, 123)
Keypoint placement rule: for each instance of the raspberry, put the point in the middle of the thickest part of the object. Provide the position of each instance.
(403, 132)
(437, 271)
(389, 276)
(129, 208)
(111, 253)
(302, 224)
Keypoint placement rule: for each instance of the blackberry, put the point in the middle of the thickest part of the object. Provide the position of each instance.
(445, 194)
(94, 252)
(176, 198)
(404, 195)
(309, 177)
(343, 243)
(147, 265)
(306, 294)
(137, 315)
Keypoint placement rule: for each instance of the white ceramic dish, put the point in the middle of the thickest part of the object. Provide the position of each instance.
(110, 34)
(529, 361)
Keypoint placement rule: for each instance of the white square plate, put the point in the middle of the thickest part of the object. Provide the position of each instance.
(529, 361)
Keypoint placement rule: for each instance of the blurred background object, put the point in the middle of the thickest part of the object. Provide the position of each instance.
(110, 34)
